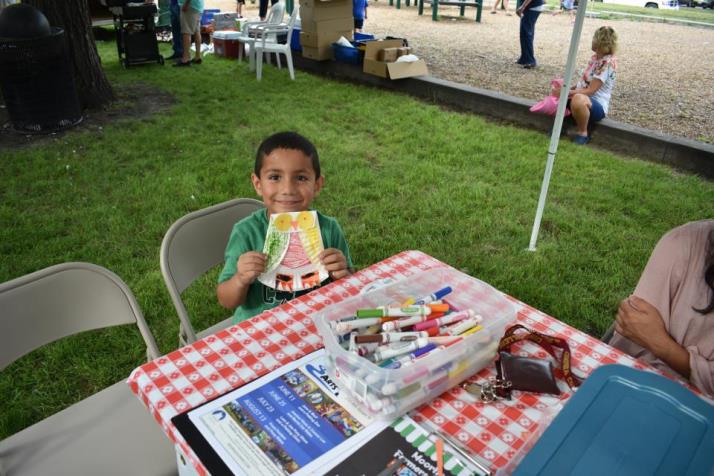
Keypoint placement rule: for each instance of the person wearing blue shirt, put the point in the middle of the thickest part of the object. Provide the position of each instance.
(359, 12)
(191, 11)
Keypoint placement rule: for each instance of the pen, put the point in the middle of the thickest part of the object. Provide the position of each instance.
(476, 461)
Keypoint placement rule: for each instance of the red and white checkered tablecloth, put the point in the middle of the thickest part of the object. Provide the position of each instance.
(196, 373)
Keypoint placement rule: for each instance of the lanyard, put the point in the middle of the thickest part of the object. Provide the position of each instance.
(548, 343)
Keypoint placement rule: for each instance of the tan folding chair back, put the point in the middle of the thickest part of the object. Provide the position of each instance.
(195, 244)
(63, 300)
(108, 433)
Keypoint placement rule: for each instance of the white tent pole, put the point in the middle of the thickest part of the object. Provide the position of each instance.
(558, 123)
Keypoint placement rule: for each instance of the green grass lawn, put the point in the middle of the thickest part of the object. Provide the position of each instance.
(400, 174)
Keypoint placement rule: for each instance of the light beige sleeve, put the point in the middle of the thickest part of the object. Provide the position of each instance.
(663, 274)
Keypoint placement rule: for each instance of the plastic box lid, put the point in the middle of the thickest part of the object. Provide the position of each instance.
(388, 393)
(627, 422)
(226, 34)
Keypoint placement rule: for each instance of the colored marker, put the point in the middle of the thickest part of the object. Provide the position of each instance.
(443, 321)
(394, 312)
(387, 337)
(471, 331)
(459, 327)
(386, 352)
(434, 297)
(348, 326)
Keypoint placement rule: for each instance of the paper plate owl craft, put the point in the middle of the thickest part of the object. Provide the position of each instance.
(293, 243)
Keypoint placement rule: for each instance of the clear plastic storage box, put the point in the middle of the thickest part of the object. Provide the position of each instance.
(388, 393)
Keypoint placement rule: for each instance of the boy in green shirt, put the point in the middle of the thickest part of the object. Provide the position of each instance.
(287, 177)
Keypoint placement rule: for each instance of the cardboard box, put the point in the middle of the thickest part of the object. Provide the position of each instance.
(403, 51)
(328, 26)
(313, 40)
(329, 11)
(388, 55)
(390, 70)
(323, 4)
(320, 54)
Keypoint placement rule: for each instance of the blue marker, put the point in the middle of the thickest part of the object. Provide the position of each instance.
(434, 297)
(396, 362)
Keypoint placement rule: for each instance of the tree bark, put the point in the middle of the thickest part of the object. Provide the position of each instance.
(93, 87)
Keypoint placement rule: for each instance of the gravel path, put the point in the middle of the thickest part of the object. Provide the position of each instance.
(665, 78)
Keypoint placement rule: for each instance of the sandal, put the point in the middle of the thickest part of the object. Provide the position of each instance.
(581, 140)
(182, 64)
(196, 61)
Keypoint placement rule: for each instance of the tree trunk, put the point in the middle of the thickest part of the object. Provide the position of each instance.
(93, 87)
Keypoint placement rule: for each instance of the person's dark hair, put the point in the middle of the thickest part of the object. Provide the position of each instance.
(287, 140)
(709, 273)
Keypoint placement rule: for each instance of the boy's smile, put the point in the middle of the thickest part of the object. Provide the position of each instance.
(287, 181)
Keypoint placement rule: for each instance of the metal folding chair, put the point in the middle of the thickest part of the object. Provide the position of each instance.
(192, 246)
(108, 433)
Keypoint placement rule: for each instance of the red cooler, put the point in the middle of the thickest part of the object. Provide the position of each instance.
(225, 43)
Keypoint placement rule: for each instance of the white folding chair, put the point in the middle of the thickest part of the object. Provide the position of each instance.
(108, 433)
(251, 31)
(268, 43)
(192, 246)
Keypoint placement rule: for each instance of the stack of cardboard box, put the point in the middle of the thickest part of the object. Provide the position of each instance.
(322, 23)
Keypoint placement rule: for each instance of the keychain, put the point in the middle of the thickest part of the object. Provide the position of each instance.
(489, 391)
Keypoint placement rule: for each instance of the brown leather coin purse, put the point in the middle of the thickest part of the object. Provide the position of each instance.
(528, 374)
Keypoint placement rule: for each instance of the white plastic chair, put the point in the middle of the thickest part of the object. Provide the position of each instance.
(108, 433)
(252, 31)
(192, 246)
(268, 43)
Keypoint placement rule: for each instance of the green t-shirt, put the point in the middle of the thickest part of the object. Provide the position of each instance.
(249, 235)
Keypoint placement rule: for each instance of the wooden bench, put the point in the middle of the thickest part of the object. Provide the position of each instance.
(458, 3)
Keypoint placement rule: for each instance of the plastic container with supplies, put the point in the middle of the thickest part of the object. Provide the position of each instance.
(386, 393)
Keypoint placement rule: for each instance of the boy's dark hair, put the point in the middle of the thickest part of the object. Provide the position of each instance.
(287, 140)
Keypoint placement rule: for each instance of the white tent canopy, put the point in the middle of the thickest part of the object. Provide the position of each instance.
(558, 123)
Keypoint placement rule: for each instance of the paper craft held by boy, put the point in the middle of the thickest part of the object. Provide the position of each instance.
(293, 243)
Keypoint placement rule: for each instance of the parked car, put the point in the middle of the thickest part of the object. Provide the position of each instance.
(666, 4)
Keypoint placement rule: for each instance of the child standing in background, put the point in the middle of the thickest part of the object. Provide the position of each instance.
(359, 12)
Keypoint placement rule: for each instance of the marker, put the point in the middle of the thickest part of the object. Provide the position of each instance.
(446, 340)
(447, 319)
(385, 352)
(434, 297)
(461, 326)
(471, 331)
(387, 337)
(402, 323)
(348, 326)
(407, 311)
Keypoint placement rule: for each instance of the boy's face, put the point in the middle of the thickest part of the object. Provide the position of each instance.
(287, 181)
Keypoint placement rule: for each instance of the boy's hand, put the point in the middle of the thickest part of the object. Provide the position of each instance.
(335, 263)
(250, 266)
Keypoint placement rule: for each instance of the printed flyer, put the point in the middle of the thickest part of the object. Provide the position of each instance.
(292, 421)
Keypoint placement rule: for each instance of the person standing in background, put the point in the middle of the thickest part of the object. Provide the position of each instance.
(191, 12)
(529, 11)
(176, 38)
(504, 6)
(263, 8)
(359, 12)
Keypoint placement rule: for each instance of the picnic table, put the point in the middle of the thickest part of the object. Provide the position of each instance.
(210, 367)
